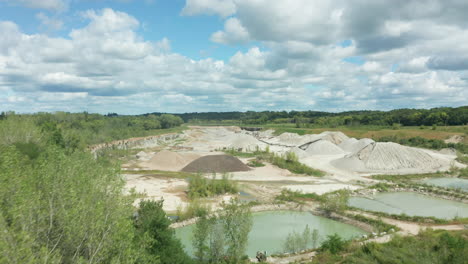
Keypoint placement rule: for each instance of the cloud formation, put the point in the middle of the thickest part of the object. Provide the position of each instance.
(53, 5)
(321, 55)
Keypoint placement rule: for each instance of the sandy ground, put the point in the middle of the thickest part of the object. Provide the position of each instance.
(154, 188)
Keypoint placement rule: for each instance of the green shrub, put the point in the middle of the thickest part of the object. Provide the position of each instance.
(200, 186)
(333, 244)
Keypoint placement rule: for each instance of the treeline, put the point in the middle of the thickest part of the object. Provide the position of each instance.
(407, 117)
(78, 130)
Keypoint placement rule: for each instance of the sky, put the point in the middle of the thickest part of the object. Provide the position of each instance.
(141, 56)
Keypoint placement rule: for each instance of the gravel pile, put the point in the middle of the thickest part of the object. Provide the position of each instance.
(216, 163)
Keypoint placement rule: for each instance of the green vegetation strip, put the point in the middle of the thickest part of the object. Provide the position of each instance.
(288, 161)
(427, 247)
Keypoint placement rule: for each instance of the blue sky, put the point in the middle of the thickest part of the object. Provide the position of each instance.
(137, 56)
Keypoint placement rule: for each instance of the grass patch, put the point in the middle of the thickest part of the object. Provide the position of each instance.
(288, 161)
(298, 197)
(408, 177)
(379, 225)
(255, 163)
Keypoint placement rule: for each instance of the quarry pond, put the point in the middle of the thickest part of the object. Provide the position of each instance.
(412, 204)
(270, 229)
(454, 183)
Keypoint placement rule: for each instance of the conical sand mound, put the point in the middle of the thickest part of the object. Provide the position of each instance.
(323, 147)
(335, 137)
(246, 143)
(348, 144)
(390, 157)
(353, 145)
(216, 163)
(169, 161)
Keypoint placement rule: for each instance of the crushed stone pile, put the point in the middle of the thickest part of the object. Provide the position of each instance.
(216, 163)
(335, 137)
(246, 143)
(299, 152)
(166, 160)
(353, 145)
(290, 138)
(323, 147)
(293, 139)
(390, 157)
(348, 144)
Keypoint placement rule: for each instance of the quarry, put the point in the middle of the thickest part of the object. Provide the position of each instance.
(157, 169)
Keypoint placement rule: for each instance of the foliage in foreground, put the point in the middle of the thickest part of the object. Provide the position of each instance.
(60, 205)
(155, 236)
(427, 247)
(223, 238)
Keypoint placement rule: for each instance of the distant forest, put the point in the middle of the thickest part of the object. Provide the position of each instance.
(406, 117)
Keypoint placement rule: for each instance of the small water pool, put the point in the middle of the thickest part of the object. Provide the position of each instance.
(455, 183)
(412, 204)
(270, 229)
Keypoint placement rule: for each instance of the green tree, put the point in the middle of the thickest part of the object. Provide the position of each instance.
(335, 202)
(237, 223)
(152, 224)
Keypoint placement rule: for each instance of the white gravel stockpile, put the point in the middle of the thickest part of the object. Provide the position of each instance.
(335, 137)
(390, 157)
(299, 152)
(246, 142)
(169, 161)
(348, 144)
(323, 147)
(361, 144)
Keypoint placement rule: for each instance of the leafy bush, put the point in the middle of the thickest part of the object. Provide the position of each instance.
(194, 209)
(298, 197)
(335, 202)
(333, 244)
(200, 186)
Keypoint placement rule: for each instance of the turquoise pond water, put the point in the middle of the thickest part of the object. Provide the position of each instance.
(455, 183)
(412, 204)
(270, 230)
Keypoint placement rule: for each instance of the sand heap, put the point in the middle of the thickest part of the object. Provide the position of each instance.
(246, 143)
(169, 161)
(293, 139)
(348, 144)
(323, 147)
(299, 152)
(390, 157)
(335, 137)
(216, 163)
(353, 145)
